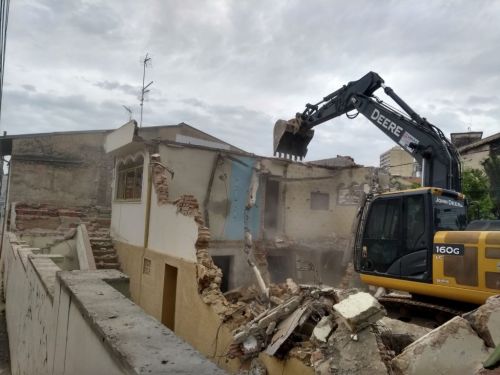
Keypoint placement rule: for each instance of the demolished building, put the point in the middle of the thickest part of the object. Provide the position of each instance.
(244, 257)
(198, 221)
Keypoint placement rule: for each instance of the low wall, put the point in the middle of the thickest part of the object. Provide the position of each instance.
(195, 321)
(76, 322)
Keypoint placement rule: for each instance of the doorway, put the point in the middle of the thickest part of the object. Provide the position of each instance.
(169, 293)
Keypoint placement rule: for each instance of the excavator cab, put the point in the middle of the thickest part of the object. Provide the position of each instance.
(396, 237)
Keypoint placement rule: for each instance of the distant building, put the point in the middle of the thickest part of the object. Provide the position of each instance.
(474, 153)
(463, 139)
(398, 162)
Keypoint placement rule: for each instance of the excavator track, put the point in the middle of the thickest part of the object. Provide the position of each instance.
(413, 308)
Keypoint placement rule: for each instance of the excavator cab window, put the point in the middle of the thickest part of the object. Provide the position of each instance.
(382, 237)
(449, 214)
(397, 238)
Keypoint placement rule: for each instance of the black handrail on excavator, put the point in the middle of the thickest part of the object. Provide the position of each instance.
(424, 141)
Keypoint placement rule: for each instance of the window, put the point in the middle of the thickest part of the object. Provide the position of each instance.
(449, 214)
(384, 220)
(320, 201)
(415, 222)
(129, 181)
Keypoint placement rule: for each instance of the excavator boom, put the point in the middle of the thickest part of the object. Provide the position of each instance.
(425, 142)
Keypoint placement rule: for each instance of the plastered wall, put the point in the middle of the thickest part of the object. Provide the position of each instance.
(77, 323)
(195, 321)
(474, 157)
(46, 330)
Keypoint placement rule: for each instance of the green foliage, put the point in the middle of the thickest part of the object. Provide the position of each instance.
(476, 187)
(492, 169)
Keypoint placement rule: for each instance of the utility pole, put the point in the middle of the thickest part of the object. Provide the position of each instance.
(144, 90)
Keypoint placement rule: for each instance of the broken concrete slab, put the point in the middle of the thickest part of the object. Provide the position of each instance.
(453, 348)
(359, 310)
(360, 357)
(285, 329)
(397, 335)
(323, 329)
(486, 321)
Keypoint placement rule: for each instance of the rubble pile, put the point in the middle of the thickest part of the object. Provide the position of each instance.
(337, 331)
(315, 325)
(462, 345)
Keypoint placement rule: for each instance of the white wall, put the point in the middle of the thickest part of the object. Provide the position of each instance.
(128, 218)
(172, 233)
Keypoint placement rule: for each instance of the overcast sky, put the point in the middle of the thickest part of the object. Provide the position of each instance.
(232, 68)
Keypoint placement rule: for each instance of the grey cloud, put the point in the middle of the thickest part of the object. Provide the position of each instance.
(46, 112)
(123, 87)
(29, 87)
(233, 67)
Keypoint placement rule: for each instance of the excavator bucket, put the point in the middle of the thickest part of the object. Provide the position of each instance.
(290, 141)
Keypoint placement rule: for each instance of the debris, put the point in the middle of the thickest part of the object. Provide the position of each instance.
(257, 367)
(323, 329)
(486, 321)
(353, 357)
(359, 310)
(292, 286)
(260, 281)
(397, 335)
(285, 329)
(453, 348)
(250, 345)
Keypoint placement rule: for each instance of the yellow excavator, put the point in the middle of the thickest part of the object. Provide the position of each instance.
(414, 240)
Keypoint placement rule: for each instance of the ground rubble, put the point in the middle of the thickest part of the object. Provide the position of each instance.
(333, 331)
(338, 331)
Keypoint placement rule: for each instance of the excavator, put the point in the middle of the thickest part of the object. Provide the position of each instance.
(413, 240)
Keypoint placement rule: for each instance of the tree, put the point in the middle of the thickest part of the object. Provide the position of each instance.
(476, 187)
(492, 169)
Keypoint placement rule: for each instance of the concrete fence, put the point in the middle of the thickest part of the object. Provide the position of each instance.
(78, 322)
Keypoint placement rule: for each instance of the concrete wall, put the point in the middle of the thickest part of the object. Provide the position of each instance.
(474, 157)
(63, 169)
(78, 323)
(344, 188)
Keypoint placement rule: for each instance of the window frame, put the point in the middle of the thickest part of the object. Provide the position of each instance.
(122, 171)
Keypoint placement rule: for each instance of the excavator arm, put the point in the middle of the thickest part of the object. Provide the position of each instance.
(425, 142)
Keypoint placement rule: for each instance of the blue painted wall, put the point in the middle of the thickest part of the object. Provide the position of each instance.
(238, 192)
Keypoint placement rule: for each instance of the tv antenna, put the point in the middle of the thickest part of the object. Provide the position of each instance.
(144, 90)
(129, 112)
